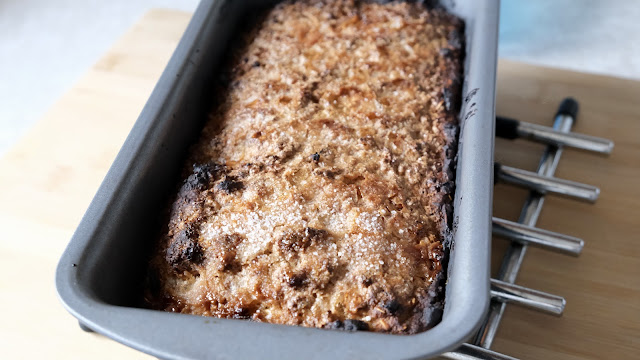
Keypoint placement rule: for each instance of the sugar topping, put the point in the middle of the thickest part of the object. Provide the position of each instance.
(321, 197)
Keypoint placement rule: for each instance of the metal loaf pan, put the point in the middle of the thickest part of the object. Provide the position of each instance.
(100, 274)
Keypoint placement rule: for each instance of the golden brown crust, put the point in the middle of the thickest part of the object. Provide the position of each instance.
(321, 184)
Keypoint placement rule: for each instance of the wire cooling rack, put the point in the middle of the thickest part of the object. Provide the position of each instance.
(523, 233)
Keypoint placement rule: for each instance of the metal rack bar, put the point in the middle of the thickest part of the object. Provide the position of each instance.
(512, 129)
(546, 184)
(549, 136)
(472, 352)
(523, 234)
(533, 299)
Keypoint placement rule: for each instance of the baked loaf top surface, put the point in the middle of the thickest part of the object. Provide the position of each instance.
(319, 191)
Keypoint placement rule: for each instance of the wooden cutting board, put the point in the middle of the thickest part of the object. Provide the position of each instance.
(48, 179)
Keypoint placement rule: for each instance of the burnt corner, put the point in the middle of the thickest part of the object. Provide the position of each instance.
(184, 251)
(203, 175)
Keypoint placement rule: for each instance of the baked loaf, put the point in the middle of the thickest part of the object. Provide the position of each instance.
(319, 193)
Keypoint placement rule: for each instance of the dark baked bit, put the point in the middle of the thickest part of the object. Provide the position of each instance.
(322, 186)
(230, 184)
(348, 325)
(184, 250)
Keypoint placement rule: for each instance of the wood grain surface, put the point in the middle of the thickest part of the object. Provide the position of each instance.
(48, 179)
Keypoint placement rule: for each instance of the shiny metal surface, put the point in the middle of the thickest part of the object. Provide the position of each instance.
(537, 237)
(548, 184)
(529, 298)
(550, 136)
(516, 251)
(472, 352)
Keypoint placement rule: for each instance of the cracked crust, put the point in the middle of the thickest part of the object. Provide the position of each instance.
(321, 188)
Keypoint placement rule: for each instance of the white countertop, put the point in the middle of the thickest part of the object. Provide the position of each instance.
(45, 45)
